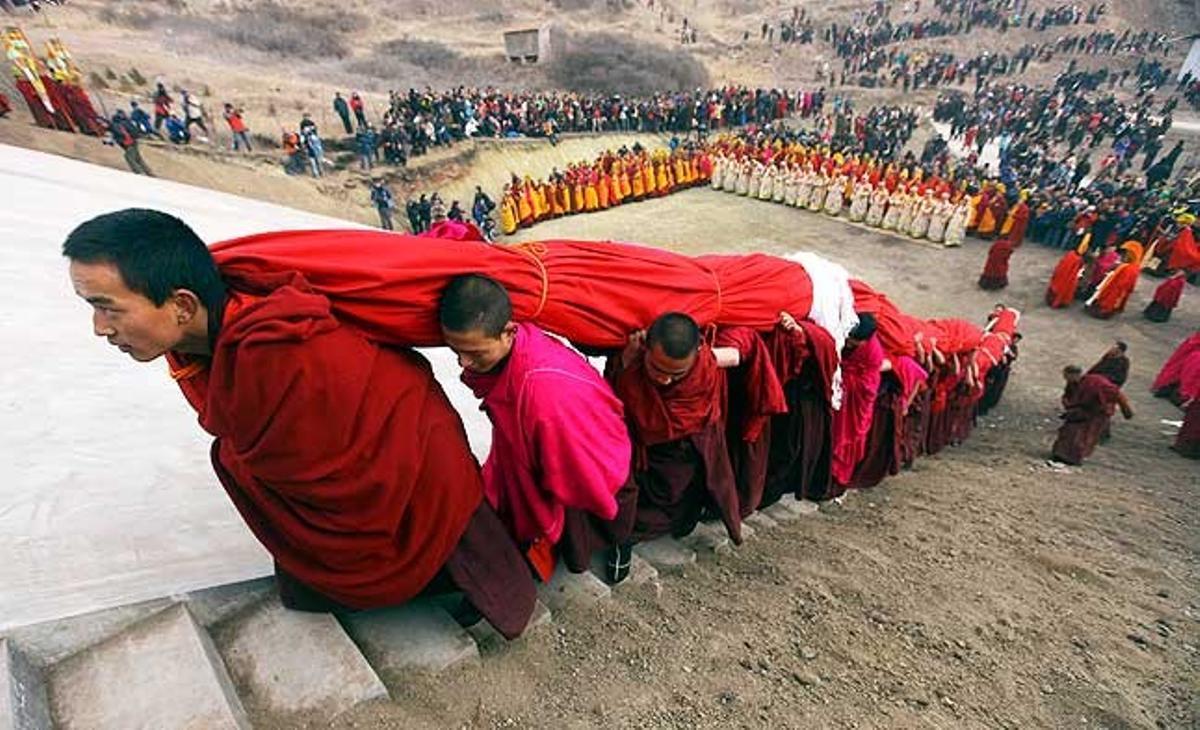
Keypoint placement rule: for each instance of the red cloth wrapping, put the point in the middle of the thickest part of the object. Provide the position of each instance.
(453, 231)
(304, 412)
(592, 293)
(999, 336)
(763, 389)
(896, 330)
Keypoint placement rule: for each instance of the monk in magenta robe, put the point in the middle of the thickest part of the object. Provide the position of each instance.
(1089, 401)
(673, 388)
(862, 358)
(344, 457)
(558, 473)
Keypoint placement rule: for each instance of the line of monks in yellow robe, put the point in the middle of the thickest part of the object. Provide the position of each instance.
(612, 179)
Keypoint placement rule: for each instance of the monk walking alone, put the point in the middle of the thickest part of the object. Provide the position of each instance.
(1088, 403)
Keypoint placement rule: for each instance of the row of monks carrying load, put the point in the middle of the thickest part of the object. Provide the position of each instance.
(611, 180)
(882, 195)
(732, 381)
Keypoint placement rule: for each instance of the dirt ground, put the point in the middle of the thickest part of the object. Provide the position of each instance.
(981, 589)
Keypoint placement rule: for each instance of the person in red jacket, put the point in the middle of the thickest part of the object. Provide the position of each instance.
(237, 125)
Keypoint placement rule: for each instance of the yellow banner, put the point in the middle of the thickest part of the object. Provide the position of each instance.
(24, 63)
(61, 64)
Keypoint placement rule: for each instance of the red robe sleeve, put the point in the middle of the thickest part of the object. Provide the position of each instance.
(762, 389)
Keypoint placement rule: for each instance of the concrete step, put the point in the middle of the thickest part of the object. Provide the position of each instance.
(666, 554)
(162, 673)
(213, 605)
(23, 704)
(572, 589)
(50, 642)
(708, 538)
(419, 635)
(288, 663)
(788, 509)
(759, 521)
(489, 640)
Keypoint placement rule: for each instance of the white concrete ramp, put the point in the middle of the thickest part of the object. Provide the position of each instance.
(106, 493)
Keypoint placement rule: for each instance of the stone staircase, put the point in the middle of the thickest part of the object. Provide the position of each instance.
(217, 658)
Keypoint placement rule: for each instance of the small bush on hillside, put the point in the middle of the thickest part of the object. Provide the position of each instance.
(96, 81)
(496, 16)
(136, 77)
(138, 18)
(423, 54)
(288, 31)
(606, 64)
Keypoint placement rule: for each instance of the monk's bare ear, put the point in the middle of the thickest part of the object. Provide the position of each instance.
(187, 304)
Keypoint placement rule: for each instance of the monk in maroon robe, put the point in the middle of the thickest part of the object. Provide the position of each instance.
(754, 396)
(1113, 364)
(345, 458)
(674, 390)
(995, 269)
(1166, 298)
(806, 359)
(1089, 401)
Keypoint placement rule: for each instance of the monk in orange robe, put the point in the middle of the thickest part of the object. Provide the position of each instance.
(602, 190)
(1065, 280)
(637, 183)
(1113, 292)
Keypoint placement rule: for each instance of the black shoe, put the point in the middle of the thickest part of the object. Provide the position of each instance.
(466, 614)
(617, 562)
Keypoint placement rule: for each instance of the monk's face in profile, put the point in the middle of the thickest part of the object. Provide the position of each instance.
(127, 319)
(664, 369)
(479, 352)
